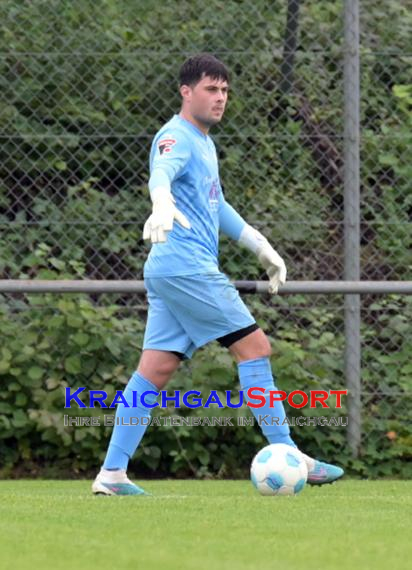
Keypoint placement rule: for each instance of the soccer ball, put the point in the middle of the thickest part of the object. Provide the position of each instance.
(279, 469)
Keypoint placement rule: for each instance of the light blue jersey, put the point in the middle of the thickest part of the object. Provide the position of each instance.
(185, 159)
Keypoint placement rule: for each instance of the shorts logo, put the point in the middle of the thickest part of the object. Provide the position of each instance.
(165, 145)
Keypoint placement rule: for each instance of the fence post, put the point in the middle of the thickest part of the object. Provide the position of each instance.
(352, 220)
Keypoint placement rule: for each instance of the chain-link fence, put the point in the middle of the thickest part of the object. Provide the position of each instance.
(84, 87)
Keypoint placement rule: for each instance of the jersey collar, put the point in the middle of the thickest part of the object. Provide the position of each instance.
(191, 126)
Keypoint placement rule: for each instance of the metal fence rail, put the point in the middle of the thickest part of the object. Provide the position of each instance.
(131, 286)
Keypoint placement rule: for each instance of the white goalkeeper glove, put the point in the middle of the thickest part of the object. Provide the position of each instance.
(269, 258)
(164, 213)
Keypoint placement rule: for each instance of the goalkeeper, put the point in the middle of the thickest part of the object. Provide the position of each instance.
(190, 301)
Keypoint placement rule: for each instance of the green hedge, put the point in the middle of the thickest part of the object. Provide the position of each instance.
(57, 341)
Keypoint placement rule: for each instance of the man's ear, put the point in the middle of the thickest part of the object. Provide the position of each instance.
(185, 91)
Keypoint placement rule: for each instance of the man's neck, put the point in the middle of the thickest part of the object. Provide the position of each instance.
(201, 126)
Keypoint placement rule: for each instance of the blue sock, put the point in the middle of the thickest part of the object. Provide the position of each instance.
(257, 373)
(126, 438)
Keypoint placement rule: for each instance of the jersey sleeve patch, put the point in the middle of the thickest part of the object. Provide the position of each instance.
(165, 145)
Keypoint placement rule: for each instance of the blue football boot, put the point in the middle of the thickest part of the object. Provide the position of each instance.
(320, 473)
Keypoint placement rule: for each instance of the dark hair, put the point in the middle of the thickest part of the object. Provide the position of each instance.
(201, 65)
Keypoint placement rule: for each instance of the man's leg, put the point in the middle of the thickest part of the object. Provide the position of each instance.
(165, 344)
(155, 369)
(252, 354)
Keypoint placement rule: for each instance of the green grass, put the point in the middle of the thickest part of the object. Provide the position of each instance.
(205, 524)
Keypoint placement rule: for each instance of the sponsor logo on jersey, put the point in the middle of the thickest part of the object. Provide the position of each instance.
(214, 196)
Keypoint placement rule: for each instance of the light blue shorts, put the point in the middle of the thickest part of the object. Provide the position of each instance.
(186, 312)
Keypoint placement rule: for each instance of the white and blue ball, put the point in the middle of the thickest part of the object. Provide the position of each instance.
(279, 469)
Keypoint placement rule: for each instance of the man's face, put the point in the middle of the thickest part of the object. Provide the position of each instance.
(206, 100)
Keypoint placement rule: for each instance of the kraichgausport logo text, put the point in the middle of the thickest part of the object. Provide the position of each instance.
(255, 398)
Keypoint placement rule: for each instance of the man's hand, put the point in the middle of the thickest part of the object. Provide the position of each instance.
(164, 213)
(269, 258)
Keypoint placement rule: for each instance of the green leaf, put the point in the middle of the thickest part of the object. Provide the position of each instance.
(60, 165)
(21, 399)
(4, 366)
(73, 365)
(81, 339)
(19, 419)
(35, 373)
(74, 321)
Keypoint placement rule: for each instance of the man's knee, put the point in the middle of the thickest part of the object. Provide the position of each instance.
(263, 348)
(167, 367)
(158, 365)
(255, 345)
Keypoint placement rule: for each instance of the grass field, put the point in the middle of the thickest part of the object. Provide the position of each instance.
(206, 524)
